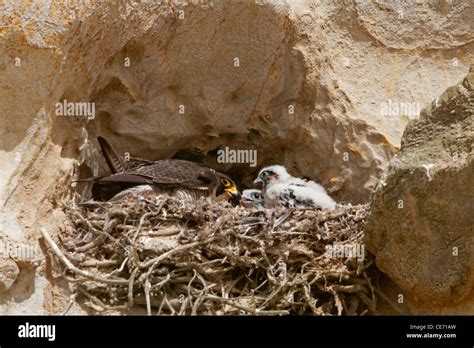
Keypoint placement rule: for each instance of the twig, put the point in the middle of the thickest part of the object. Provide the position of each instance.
(154, 262)
(72, 299)
(73, 268)
(246, 309)
(147, 296)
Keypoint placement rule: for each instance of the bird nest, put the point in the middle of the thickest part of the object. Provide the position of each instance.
(177, 257)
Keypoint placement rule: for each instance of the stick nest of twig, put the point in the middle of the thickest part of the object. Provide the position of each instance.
(177, 257)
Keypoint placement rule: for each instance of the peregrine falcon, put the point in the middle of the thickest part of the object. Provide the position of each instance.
(280, 189)
(252, 198)
(179, 178)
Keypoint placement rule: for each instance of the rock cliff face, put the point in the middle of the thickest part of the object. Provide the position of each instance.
(421, 227)
(325, 88)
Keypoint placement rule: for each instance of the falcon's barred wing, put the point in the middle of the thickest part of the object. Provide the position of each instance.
(133, 162)
(125, 178)
(167, 172)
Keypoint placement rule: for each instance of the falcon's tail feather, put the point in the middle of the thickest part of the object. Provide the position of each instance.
(115, 162)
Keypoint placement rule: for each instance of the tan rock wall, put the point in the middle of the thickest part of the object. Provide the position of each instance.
(421, 226)
(334, 62)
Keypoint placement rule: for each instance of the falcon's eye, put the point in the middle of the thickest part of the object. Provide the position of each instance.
(258, 196)
(266, 175)
(226, 182)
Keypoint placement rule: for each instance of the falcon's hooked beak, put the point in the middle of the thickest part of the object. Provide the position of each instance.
(258, 183)
(233, 193)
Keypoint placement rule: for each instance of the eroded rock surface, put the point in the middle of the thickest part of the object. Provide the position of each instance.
(421, 226)
(8, 274)
(303, 82)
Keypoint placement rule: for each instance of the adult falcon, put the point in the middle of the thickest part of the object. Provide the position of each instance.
(178, 178)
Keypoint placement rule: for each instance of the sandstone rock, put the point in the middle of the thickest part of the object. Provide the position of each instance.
(421, 227)
(305, 90)
(8, 273)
